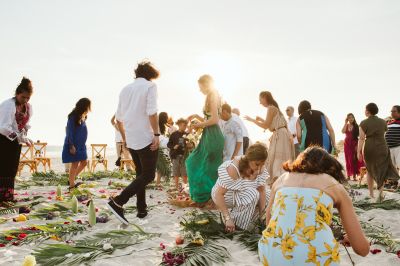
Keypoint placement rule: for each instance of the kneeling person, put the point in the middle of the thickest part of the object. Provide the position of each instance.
(241, 186)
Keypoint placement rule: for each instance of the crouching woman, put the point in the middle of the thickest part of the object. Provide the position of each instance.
(241, 187)
(300, 212)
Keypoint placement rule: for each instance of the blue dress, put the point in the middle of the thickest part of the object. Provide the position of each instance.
(298, 232)
(76, 135)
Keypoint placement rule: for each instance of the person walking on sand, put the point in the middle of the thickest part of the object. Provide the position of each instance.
(74, 149)
(353, 165)
(138, 123)
(372, 147)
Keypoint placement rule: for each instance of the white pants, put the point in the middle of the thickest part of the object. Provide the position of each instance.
(395, 155)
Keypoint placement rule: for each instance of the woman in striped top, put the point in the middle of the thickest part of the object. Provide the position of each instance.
(241, 186)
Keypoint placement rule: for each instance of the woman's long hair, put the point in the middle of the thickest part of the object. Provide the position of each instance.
(356, 130)
(82, 106)
(315, 160)
(270, 99)
(162, 122)
(256, 152)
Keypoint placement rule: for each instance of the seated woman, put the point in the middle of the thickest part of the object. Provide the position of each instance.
(300, 212)
(240, 186)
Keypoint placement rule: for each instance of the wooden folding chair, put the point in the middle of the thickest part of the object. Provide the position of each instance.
(27, 159)
(98, 156)
(126, 162)
(39, 149)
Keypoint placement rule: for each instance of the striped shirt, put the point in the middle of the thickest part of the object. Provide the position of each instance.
(241, 191)
(393, 134)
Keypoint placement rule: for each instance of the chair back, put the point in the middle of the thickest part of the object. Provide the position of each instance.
(99, 152)
(39, 149)
(26, 153)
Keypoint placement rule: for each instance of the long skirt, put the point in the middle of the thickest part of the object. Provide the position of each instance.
(281, 149)
(9, 160)
(353, 165)
(202, 164)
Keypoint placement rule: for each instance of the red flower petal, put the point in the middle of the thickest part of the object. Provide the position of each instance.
(9, 238)
(2, 245)
(22, 236)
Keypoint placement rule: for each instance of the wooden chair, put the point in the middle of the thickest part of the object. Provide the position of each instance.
(39, 149)
(126, 162)
(27, 159)
(98, 156)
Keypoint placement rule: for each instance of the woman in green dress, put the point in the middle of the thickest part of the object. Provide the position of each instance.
(376, 151)
(202, 164)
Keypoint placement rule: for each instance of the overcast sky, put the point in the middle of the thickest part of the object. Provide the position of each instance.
(339, 55)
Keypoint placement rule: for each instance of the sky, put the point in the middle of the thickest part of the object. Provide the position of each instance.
(339, 55)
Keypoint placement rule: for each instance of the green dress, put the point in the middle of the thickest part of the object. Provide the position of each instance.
(376, 151)
(202, 164)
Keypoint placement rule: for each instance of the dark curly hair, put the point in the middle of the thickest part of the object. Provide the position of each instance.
(315, 160)
(304, 106)
(24, 86)
(146, 70)
(82, 106)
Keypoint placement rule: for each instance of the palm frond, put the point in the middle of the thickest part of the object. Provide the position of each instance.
(90, 247)
(389, 204)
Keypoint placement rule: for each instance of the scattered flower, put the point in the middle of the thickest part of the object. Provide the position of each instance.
(20, 218)
(162, 246)
(2, 245)
(79, 221)
(29, 261)
(22, 236)
(107, 246)
(375, 251)
(54, 237)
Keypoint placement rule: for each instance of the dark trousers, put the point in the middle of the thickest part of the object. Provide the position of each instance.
(145, 161)
(10, 152)
(246, 142)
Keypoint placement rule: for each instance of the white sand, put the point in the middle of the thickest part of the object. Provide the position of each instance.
(164, 219)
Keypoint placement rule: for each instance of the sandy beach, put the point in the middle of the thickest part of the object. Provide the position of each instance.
(164, 219)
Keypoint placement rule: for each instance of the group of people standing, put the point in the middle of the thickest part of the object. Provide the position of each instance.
(304, 179)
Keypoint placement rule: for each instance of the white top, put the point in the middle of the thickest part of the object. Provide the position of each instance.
(292, 128)
(137, 101)
(232, 134)
(244, 128)
(8, 124)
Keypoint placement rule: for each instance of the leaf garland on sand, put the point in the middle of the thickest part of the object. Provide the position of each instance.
(90, 248)
(389, 204)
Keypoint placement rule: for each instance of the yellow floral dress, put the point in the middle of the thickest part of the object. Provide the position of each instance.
(298, 232)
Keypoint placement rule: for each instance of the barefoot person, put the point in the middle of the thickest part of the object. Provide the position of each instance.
(299, 214)
(352, 132)
(74, 149)
(281, 147)
(15, 114)
(203, 162)
(372, 147)
(138, 123)
(241, 187)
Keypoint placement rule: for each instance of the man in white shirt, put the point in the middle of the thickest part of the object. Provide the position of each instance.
(292, 120)
(232, 134)
(245, 132)
(137, 121)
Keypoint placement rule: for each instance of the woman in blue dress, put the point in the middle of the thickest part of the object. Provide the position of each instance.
(74, 150)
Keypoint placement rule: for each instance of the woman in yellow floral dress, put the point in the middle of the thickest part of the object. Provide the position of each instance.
(299, 214)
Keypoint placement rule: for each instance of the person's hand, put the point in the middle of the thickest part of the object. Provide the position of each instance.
(248, 118)
(28, 142)
(155, 143)
(229, 226)
(345, 241)
(176, 147)
(72, 150)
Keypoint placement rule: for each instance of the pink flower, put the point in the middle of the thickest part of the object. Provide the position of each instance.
(102, 191)
(162, 246)
(49, 198)
(66, 222)
(2, 245)
(375, 251)
(79, 221)
(52, 193)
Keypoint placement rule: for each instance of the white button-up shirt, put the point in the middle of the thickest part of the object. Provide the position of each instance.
(137, 101)
(292, 128)
(8, 124)
(243, 127)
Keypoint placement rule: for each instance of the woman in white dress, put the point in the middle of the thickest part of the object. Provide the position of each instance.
(241, 187)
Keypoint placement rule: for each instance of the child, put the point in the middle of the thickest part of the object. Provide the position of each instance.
(177, 145)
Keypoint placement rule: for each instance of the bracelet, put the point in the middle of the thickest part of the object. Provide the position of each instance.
(157, 134)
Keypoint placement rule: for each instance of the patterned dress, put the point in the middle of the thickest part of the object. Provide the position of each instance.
(305, 240)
